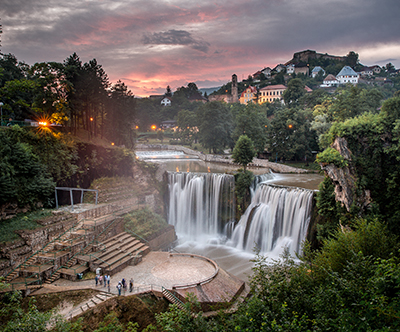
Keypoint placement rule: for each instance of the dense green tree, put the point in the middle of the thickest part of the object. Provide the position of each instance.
(121, 115)
(295, 90)
(11, 69)
(289, 136)
(215, 126)
(187, 126)
(244, 151)
(251, 119)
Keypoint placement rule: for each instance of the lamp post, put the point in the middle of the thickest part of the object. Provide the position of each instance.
(1, 110)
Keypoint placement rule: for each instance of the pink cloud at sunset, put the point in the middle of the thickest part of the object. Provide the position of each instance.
(152, 44)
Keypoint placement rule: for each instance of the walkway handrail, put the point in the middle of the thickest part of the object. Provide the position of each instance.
(203, 281)
(173, 295)
(71, 196)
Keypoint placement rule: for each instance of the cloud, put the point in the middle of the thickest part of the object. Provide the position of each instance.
(175, 37)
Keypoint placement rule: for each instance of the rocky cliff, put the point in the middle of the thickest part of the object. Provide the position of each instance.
(345, 179)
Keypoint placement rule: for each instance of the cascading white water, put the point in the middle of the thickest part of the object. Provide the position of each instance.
(200, 203)
(277, 217)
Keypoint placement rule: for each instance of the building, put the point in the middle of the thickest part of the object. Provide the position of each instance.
(279, 68)
(166, 101)
(329, 81)
(248, 95)
(316, 70)
(301, 68)
(267, 72)
(347, 75)
(271, 93)
(290, 68)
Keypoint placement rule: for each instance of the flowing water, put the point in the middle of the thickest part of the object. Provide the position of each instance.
(202, 209)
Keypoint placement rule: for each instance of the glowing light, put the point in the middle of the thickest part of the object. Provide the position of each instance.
(177, 168)
(43, 123)
(91, 119)
(112, 143)
(153, 127)
(290, 126)
(137, 127)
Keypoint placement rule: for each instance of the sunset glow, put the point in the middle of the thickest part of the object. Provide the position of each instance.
(149, 45)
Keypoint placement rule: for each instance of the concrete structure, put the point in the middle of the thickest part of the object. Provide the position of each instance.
(329, 81)
(271, 93)
(248, 95)
(347, 75)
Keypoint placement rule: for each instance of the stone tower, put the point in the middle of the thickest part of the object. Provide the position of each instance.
(235, 98)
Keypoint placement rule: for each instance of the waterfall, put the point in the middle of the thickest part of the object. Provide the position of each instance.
(277, 217)
(201, 206)
(200, 203)
(258, 179)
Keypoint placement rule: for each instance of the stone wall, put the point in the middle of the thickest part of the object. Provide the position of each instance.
(276, 167)
(163, 239)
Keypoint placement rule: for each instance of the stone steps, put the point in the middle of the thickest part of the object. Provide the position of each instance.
(91, 303)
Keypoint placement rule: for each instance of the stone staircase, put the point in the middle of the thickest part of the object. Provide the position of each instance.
(95, 300)
(119, 251)
(15, 274)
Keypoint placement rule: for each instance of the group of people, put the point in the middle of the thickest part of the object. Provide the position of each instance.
(103, 280)
(122, 286)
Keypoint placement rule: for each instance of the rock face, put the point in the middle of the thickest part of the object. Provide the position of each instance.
(345, 178)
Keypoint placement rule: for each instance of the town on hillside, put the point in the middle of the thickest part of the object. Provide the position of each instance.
(317, 70)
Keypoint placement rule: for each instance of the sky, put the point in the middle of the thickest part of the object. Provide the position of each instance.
(149, 44)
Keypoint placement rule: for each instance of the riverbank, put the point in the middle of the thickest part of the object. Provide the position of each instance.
(227, 159)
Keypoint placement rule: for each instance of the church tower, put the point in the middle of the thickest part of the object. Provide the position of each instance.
(235, 98)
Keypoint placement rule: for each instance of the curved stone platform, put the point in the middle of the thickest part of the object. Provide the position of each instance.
(179, 273)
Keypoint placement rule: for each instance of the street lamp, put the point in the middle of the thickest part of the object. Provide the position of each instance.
(1, 119)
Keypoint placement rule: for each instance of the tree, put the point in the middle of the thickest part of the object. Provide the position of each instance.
(251, 119)
(295, 90)
(289, 135)
(168, 92)
(351, 59)
(215, 126)
(244, 151)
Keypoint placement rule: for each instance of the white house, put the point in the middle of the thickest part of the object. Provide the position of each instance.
(166, 101)
(329, 81)
(347, 75)
(290, 68)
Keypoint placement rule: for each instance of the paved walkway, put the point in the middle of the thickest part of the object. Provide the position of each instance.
(157, 269)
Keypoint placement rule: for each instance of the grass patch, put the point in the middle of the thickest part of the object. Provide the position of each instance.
(144, 222)
(19, 222)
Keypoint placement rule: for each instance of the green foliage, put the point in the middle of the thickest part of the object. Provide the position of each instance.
(244, 152)
(23, 178)
(295, 90)
(251, 119)
(331, 156)
(144, 222)
(289, 135)
(20, 222)
(184, 320)
(215, 126)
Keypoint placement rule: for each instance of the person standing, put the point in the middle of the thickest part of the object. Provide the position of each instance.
(119, 286)
(130, 285)
(97, 280)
